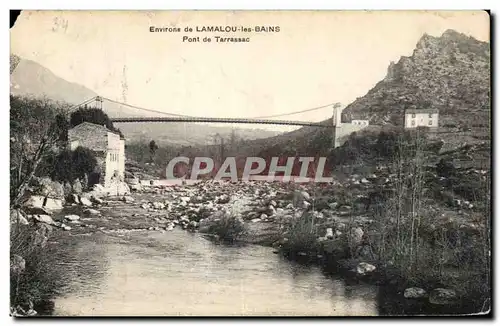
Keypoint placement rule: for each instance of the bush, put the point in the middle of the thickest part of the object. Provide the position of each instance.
(228, 228)
(69, 165)
(302, 235)
(35, 286)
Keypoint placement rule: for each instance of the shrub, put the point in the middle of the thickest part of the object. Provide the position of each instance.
(302, 234)
(69, 165)
(229, 228)
(33, 287)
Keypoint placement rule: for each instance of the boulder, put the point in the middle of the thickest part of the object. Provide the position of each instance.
(49, 188)
(77, 187)
(441, 296)
(128, 199)
(414, 293)
(16, 216)
(96, 200)
(356, 236)
(364, 268)
(44, 202)
(85, 201)
(47, 219)
(72, 217)
(90, 211)
(329, 233)
(158, 205)
(117, 188)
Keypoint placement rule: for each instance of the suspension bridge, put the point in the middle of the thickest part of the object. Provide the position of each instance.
(97, 102)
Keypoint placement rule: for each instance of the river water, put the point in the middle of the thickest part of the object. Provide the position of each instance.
(183, 274)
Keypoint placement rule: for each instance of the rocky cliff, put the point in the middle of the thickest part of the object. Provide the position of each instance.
(450, 73)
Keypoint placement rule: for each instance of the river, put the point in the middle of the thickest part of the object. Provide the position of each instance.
(177, 273)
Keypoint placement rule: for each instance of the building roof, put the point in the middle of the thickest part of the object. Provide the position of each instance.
(89, 125)
(421, 111)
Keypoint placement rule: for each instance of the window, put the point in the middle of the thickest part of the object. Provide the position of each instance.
(413, 122)
(430, 115)
(430, 122)
(413, 115)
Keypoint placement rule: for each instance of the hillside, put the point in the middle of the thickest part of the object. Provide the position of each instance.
(450, 73)
(28, 78)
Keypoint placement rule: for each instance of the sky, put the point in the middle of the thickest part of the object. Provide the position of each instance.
(316, 58)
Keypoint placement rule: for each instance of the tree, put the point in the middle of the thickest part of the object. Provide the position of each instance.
(37, 126)
(92, 115)
(152, 150)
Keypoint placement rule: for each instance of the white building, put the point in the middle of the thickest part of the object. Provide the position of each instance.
(108, 146)
(360, 122)
(421, 118)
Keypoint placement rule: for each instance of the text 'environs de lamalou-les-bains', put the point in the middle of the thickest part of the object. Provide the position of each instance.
(220, 29)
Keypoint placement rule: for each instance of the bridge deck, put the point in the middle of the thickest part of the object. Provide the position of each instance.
(221, 120)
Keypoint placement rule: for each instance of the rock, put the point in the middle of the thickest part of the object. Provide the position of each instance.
(364, 268)
(193, 224)
(273, 203)
(333, 205)
(17, 264)
(341, 226)
(73, 198)
(49, 188)
(305, 195)
(97, 200)
(289, 206)
(356, 236)
(90, 211)
(306, 204)
(185, 199)
(364, 181)
(158, 205)
(128, 199)
(145, 206)
(85, 201)
(66, 227)
(442, 296)
(77, 187)
(255, 220)
(271, 210)
(135, 187)
(414, 293)
(44, 202)
(263, 216)
(329, 233)
(16, 216)
(44, 219)
(223, 199)
(170, 227)
(72, 217)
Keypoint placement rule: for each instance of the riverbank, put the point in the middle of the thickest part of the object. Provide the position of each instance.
(336, 236)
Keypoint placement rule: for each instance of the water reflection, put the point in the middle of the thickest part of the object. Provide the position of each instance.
(177, 273)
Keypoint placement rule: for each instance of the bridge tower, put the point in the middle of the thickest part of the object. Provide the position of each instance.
(337, 124)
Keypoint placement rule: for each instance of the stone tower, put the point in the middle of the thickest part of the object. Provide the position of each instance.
(336, 124)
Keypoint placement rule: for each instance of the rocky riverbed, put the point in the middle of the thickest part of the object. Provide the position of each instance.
(265, 209)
